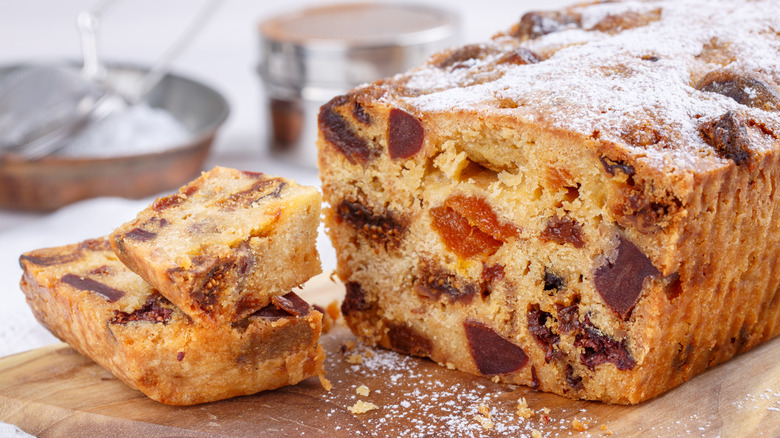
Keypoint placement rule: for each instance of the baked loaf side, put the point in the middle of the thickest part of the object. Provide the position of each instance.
(584, 204)
(226, 243)
(85, 296)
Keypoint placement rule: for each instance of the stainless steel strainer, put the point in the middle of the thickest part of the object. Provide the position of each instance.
(43, 106)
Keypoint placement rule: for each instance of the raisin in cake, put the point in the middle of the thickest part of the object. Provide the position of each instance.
(85, 296)
(226, 243)
(585, 204)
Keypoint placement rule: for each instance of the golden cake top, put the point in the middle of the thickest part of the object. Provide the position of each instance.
(675, 85)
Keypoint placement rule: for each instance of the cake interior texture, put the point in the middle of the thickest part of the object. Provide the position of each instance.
(585, 204)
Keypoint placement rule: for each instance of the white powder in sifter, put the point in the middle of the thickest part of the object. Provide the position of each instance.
(134, 130)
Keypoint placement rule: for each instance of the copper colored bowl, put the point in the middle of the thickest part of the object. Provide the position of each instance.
(54, 181)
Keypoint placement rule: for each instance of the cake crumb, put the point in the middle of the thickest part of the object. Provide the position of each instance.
(536, 434)
(496, 379)
(325, 383)
(483, 417)
(606, 429)
(368, 354)
(333, 310)
(355, 358)
(363, 390)
(362, 407)
(348, 346)
(450, 366)
(523, 411)
(579, 425)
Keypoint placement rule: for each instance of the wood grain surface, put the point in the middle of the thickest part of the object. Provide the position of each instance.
(56, 392)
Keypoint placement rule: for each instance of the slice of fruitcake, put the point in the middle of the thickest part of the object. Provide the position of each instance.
(226, 243)
(85, 296)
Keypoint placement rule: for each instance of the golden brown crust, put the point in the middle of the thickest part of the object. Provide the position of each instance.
(85, 296)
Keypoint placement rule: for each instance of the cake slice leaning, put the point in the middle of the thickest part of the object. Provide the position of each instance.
(86, 297)
(226, 243)
(586, 203)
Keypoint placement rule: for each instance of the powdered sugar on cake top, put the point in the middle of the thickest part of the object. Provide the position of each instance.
(603, 84)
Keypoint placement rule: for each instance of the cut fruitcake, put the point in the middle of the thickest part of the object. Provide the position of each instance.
(586, 204)
(226, 243)
(85, 296)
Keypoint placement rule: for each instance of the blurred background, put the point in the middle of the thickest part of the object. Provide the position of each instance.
(224, 55)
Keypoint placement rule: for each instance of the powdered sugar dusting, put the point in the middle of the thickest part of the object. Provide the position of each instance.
(601, 84)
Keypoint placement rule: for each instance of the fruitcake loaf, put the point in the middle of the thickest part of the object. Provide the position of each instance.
(225, 244)
(85, 296)
(586, 203)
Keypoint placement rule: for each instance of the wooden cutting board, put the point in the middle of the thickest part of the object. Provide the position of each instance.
(54, 391)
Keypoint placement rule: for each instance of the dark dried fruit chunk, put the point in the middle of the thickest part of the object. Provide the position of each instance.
(385, 228)
(435, 282)
(727, 134)
(284, 307)
(140, 235)
(459, 236)
(263, 188)
(90, 285)
(360, 114)
(492, 273)
(537, 326)
(614, 166)
(537, 23)
(573, 381)
(552, 281)
(355, 299)
(457, 58)
(535, 384)
(492, 353)
(151, 311)
(405, 134)
(619, 283)
(215, 273)
(562, 230)
(568, 316)
(407, 340)
(599, 349)
(337, 132)
(745, 90)
(50, 260)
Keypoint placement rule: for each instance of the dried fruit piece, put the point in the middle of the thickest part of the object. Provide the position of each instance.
(537, 326)
(433, 282)
(568, 316)
(458, 57)
(155, 309)
(727, 134)
(573, 380)
(614, 23)
(460, 237)
(385, 227)
(90, 285)
(336, 131)
(620, 282)
(492, 273)
(51, 260)
(537, 23)
(519, 56)
(405, 134)
(599, 349)
(355, 299)
(213, 273)
(492, 354)
(360, 114)
(552, 281)
(562, 230)
(614, 166)
(405, 339)
(481, 215)
(140, 235)
(284, 307)
(263, 188)
(745, 90)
